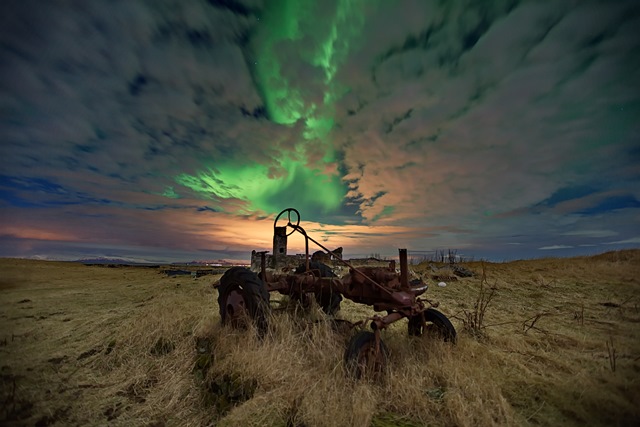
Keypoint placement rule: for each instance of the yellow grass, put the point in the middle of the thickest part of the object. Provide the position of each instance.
(128, 346)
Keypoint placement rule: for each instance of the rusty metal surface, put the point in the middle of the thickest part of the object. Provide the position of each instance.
(380, 287)
(404, 268)
(378, 322)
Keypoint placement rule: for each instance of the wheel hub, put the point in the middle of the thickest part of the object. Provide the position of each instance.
(371, 360)
(236, 308)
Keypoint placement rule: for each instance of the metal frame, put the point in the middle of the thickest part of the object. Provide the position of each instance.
(380, 287)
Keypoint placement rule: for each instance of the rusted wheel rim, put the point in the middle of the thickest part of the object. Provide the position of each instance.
(371, 360)
(236, 308)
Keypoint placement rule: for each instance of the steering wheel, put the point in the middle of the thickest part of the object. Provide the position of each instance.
(289, 224)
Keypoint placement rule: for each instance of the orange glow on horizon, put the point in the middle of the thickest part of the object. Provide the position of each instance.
(36, 234)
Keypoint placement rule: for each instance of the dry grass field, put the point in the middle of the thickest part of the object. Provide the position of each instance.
(559, 344)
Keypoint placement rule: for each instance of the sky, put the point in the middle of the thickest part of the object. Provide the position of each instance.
(175, 130)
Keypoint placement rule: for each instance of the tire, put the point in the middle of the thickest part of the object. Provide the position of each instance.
(329, 301)
(436, 324)
(361, 359)
(243, 296)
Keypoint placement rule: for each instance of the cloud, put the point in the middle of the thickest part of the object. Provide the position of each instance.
(632, 240)
(592, 233)
(555, 247)
(180, 232)
(513, 124)
(139, 75)
(431, 124)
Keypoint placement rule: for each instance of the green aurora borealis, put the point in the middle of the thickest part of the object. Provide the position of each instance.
(284, 27)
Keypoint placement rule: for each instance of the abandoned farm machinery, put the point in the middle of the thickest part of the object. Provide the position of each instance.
(243, 294)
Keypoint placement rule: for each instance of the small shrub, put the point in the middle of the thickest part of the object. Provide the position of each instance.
(473, 320)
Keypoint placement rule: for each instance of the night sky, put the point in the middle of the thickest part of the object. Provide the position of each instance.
(175, 130)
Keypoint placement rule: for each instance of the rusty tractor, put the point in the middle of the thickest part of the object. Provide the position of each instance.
(243, 295)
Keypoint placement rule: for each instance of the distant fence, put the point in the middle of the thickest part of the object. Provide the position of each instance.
(194, 273)
(438, 255)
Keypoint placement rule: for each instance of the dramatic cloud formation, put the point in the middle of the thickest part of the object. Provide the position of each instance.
(176, 130)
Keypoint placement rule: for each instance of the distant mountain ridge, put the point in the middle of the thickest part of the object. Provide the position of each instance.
(124, 261)
(216, 263)
(104, 260)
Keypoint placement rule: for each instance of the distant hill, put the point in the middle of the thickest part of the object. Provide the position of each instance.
(624, 255)
(123, 261)
(215, 263)
(103, 260)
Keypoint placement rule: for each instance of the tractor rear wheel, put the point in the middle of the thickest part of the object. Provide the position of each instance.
(243, 298)
(328, 300)
(363, 358)
(435, 324)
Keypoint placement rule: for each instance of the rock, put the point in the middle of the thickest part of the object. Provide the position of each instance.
(460, 271)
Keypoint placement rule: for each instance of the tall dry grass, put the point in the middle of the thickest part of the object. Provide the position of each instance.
(128, 346)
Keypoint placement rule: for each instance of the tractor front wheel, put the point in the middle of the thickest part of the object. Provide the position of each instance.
(364, 358)
(434, 323)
